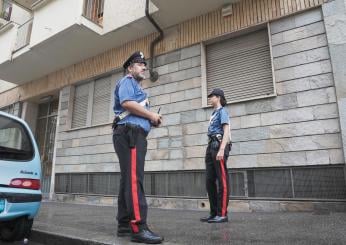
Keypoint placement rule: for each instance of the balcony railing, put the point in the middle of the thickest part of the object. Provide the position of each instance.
(23, 35)
(93, 10)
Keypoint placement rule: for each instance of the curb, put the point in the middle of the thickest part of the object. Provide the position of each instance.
(51, 238)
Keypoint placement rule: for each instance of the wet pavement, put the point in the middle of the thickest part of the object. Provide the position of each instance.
(22, 243)
(96, 225)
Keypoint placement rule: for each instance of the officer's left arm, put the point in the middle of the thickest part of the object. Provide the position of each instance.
(224, 142)
(224, 120)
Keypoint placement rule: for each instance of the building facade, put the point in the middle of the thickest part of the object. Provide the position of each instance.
(280, 62)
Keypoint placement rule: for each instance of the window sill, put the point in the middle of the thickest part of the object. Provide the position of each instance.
(88, 127)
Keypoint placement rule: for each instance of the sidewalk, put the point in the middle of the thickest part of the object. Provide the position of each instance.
(87, 224)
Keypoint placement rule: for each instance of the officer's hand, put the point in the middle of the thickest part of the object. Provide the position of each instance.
(219, 155)
(159, 122)
(155, 119)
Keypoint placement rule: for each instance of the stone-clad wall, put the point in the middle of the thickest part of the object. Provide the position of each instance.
(310, 134)
(298, 127)
(91, 149)
(334, 13)
(82, 150)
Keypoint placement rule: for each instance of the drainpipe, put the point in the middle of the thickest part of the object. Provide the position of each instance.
(153, 74)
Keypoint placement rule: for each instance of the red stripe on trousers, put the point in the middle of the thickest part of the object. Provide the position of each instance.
(134, 189)
(224, 184)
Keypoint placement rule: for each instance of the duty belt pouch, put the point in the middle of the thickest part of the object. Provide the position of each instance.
(132, 134)
(115, 121)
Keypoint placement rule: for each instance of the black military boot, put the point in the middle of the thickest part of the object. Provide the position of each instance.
(218, 219)
(207, 218)
(145, 235)
(123, 230)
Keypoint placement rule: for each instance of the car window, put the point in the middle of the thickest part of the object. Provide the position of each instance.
(15, 143)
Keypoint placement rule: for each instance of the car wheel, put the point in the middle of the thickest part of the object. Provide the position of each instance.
(16, 230)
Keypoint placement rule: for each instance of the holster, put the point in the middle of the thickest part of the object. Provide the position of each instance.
(215, 142)
(115, 121)
(132, 134)
(214, 145)
(130, 130)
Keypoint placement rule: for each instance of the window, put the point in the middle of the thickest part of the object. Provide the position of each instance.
(101, 101)
(15, 143)
(92, 102)
(93, 10)
(80, 105)
(14, 109)
(45, 134)
(241, 66)
(5, 10)
(270, 183)
(8, 109)
(295, 183)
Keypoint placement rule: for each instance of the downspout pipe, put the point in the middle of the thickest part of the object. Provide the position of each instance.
(153, 74)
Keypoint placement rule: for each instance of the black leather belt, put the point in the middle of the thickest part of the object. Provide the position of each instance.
(215, 137)
(124, 127)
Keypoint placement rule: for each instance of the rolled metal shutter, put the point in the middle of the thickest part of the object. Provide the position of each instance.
(80, 105)
(101, 100)
(241, 66)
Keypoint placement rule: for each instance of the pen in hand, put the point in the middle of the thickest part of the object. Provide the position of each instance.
(158, 112)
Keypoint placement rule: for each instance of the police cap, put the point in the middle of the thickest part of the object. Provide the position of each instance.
(217, 92)
(136, 57)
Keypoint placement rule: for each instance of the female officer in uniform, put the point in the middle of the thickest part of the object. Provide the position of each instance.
(131, 125)
(217, 153)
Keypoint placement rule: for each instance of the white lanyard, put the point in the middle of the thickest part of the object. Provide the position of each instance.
(126, 113)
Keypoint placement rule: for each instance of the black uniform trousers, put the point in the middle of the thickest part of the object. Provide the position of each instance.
(217, 179)
(130, 144)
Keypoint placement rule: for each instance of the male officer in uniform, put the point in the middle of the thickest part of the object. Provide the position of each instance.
(131, 125)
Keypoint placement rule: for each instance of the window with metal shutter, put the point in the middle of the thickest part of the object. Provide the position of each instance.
(8, 109)
(80, 105)
(101, 101)
(241, 66)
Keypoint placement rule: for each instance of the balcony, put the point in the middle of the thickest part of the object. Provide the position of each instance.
(23, 35)
(60, 33)
(173, 12)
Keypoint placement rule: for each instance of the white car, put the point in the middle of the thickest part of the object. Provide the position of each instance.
(20, 178)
